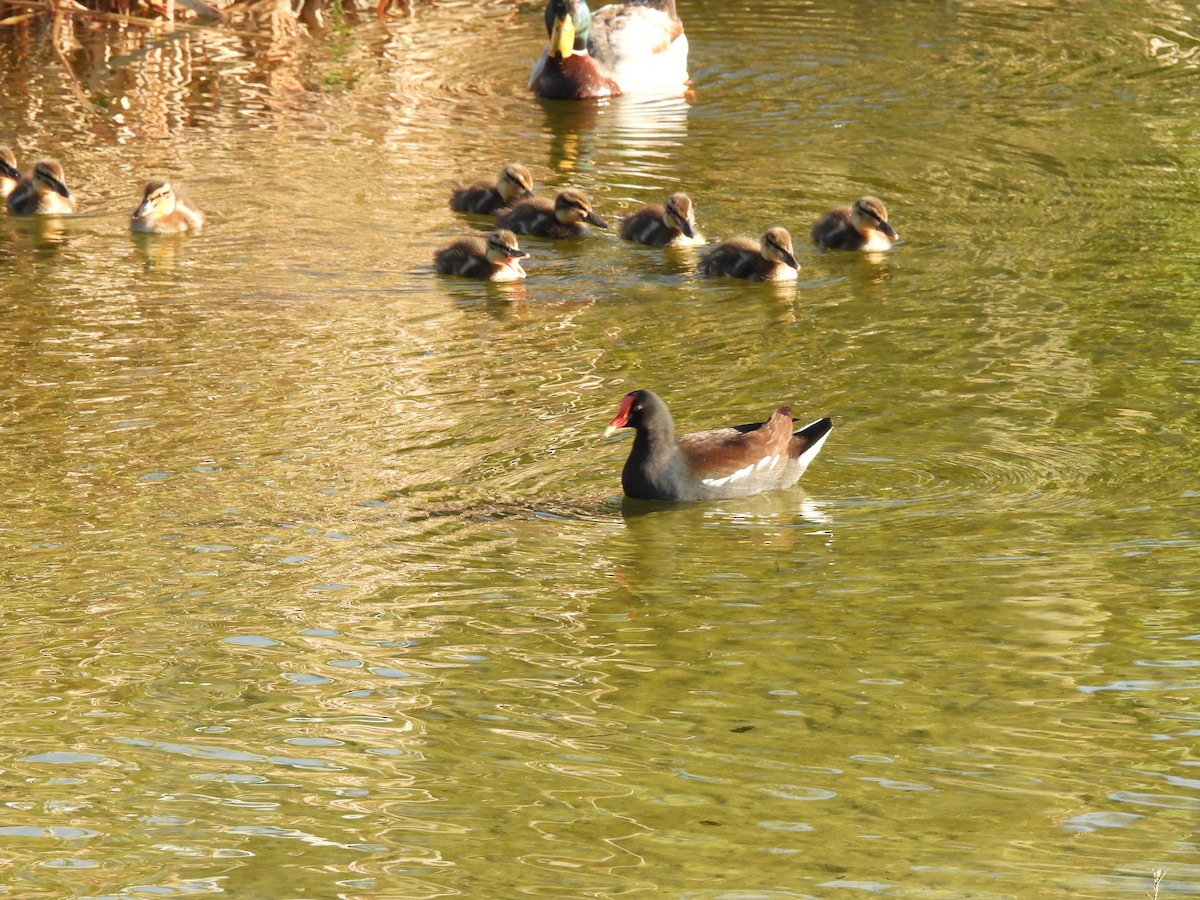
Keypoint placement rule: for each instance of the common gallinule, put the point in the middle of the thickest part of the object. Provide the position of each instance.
(514, 185)
(711, 465)
(165, 210)
(625, 48)
(863, 226)
(494, 258)
(564, 218)
(770, 259)
(43, 192)
(670, 224)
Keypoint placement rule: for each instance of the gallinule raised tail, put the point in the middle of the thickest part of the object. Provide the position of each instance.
(711, 465)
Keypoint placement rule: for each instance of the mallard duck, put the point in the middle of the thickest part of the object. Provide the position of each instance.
(9, 174)
(493, 258)
(863, 226)
(564, 218)
(164, 210)
(42, 192)
(770, 259)
(514, 185)
(670, 224)
(625, 48)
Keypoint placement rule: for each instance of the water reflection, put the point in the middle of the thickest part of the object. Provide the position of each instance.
(642, 135)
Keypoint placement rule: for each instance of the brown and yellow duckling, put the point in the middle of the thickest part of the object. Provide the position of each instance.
(631, 47)
(514, 185)
(43, 192)
(10, 176)
(670, 224)
(568, 216)
(164, 210)
(770, 259)
(863, 226)
(494, 258)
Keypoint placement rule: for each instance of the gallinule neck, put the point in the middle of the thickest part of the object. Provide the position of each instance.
(711, 465)
(863, 226)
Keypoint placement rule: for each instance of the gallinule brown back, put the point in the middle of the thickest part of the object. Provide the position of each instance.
(711, 465)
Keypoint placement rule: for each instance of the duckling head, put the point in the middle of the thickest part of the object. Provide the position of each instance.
(48, 176)
(158, 199)
(680, 215)
(869, 214)
(567, 23)
(777, 247)
(515, 182)
(8, 164)
(571, 206)
(502, 247)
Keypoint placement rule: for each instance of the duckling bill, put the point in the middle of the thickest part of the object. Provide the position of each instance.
(164, 210)
(863, 226)
(770, 259)
(568, 216)
(43, 192)
(514, 185)
(670, 224)
(494, 258)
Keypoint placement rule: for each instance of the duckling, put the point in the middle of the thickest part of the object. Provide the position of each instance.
(672, 224)
(9, 174)
(770, 260)
(637, 46)
(514, 185)
(861, 227)
(164, 210)
(491, 259)
(42, 192)
(564, 218)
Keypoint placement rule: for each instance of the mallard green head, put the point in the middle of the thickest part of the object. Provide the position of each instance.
(567, 24)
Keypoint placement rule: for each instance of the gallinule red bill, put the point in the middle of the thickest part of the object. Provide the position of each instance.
(711, 465)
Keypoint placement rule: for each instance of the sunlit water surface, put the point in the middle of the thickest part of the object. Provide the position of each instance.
(317, 578)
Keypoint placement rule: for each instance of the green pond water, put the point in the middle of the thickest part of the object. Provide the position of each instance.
(316, 577)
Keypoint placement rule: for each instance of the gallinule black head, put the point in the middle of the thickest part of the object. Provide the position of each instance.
(711, 465)
(863, 226)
